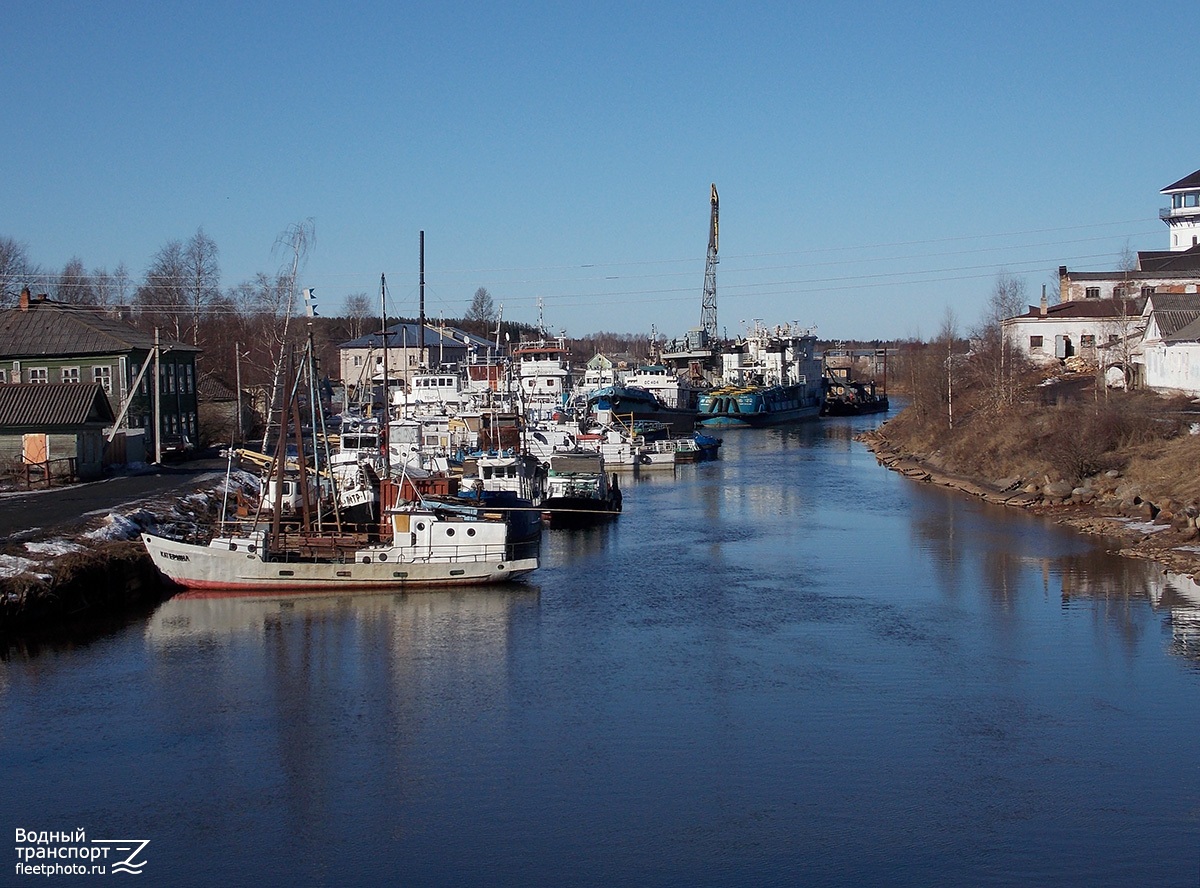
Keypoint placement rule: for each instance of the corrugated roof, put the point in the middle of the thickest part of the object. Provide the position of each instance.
(39, 405)
(1171, 321)
(51, 328)
(1192, 181)
(1190, 333)
(1173, 301)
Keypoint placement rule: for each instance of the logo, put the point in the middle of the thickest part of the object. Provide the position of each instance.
(71, 853)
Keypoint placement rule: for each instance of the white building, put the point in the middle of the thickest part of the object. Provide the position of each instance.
(1084, 328)
(1174, 270)
(1183, 215)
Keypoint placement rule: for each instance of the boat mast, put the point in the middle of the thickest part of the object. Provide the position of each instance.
(708, 306)
(383, 429)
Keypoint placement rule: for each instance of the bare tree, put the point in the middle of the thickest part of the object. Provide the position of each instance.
(202, 276)
(947, 335)
(102, 284)
(359, 308)
(483, 309)
(120, 284)
(297, 239)
(16, 271)
(73, 284)
(998, 362)
(162, 297)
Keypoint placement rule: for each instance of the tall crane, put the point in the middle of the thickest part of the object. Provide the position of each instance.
(708, 307)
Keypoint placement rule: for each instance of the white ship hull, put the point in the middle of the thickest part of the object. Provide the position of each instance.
(237, 565)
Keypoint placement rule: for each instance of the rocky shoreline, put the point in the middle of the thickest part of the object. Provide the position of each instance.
(1105, 506)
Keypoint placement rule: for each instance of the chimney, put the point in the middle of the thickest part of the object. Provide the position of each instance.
(24, 304)
(1045, 305)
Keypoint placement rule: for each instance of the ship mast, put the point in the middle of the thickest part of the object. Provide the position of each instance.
(708, 307)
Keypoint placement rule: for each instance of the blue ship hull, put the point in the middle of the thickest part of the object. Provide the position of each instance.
(755, 406)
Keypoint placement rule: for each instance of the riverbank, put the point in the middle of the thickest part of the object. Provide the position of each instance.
(1140, 500)
(93, 570)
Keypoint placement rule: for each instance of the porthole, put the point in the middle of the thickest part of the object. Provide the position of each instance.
(449, 531)
(366, 559)
(420, 525)
(470, 531)
(383, 556)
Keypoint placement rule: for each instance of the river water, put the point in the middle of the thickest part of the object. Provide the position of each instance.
(786, 667)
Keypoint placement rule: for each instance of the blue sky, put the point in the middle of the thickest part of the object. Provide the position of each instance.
(877, 163)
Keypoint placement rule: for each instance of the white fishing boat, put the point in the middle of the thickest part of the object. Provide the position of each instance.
(429, 546)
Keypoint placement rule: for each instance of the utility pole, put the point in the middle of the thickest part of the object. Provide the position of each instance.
(157, 400)
(237, 360)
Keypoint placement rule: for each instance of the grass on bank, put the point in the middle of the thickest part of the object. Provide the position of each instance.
(1068, 429)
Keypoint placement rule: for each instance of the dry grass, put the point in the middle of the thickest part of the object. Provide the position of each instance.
(1067, 432)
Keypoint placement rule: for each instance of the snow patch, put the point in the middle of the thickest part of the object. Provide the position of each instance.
(54, 547)
(121, 527)
(14, 565)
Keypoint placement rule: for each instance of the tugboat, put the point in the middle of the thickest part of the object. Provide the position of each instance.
(847, 397)
(579, 493)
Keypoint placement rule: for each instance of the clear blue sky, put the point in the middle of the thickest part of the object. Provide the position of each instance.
(876, 162)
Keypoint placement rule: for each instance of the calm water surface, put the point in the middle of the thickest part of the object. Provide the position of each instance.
(786, 667)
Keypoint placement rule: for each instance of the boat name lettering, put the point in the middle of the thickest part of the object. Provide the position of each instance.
(174, 556)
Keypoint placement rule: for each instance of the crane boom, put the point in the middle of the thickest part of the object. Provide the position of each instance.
(708, 306)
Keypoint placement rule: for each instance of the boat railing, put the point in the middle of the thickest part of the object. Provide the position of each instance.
(318, 548)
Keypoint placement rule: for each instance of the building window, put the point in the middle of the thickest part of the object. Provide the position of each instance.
(1112, 338)
(39, 374)
(1035, 343)
(103, 375)
(3, 376)
(1087, 340)
(1147, 291)
(70, 374)
(358, 360)
(1092, 293)
(187, 369)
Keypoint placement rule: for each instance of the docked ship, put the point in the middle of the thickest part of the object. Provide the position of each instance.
(579, 492)
(429, 545)
(771, 376)
(636, 404)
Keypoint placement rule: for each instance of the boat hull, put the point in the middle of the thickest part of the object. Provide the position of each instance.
(759, 406)
(219, 569)
(578, 511)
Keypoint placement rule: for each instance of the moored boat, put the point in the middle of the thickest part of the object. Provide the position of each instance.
(770, 377)
(579, 491)
(429, 546)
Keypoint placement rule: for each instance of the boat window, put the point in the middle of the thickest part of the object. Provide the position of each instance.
(470, 531)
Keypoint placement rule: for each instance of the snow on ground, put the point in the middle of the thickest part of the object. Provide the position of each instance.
(13, 565)
(54, 547)
(122, 527)
(1146, 527)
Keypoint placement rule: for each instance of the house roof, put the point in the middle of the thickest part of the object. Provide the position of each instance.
(1189, 333)
(40, 405)
(408, 335)
(1160, 261)
(213, 388)
(1192, 181)
(1087, 308)
(1171, 321)
(56, 329)
(1173, 301)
